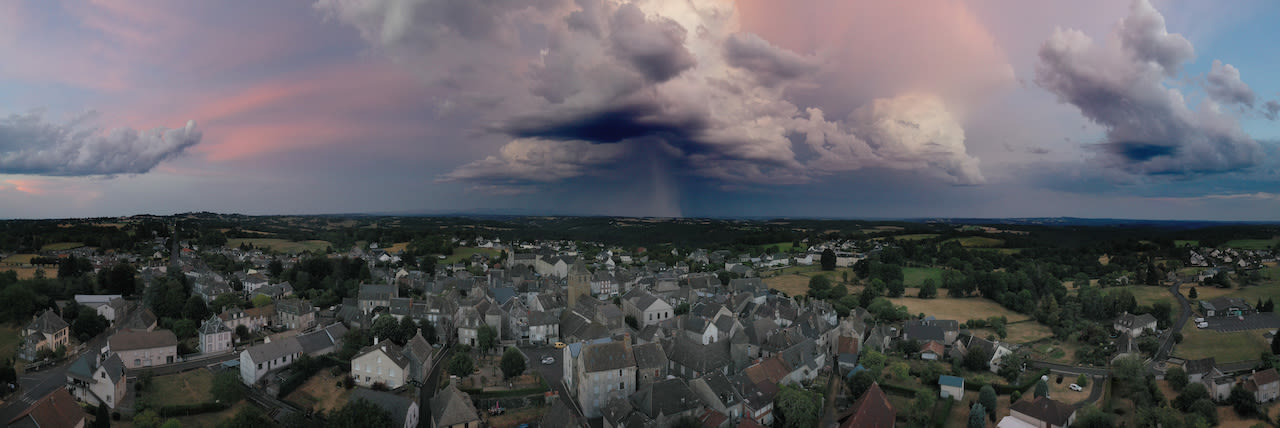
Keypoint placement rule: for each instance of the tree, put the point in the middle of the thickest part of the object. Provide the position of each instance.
(828, 259)
(225, 301)
(860, 382)
(1091, 417)
(460, 365)
(88, 323)
(261, 300)
(407, 330)
(987, 398)
(275, 268)
(387, 328)
(873, 360)
(359, 413)
(486, 338)
(1042, 389)
(185, 328)
(896, 288)
(119, 279)
(976, 359)
(428, 330)
(1275, 344)
(195, 309)
(147, 419)
(242, 332)
(921, 411)
(798, 408)
(1192, 294)
(171, 423)
(929, 289)
(247, 417)
(1177, 378)
(227, 388)
(1242, 401)
(819, 286)
(977, 416)
(631, 322)
(682, 309)
(512, 363)
(1082, 380)
(101, 416)
(1206, 409)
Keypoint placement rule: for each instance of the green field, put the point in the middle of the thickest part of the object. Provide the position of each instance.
(1145, 294)
(1186, 242)
(916, 237)
(10, 340)
(463, 253)
(915, 276)
(282, 245)
(1226, 347)
(18, 259)
(783, 247)
(999, 250)
(977, 242)
(184, 388)
(59, 246)
(1252, 244)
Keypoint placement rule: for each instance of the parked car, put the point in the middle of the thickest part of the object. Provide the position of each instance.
(1075, 387)
(1202, 325)
(548, 360)
(560, 345)
(1199, 320)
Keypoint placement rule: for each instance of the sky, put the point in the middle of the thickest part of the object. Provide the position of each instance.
(1151, 109)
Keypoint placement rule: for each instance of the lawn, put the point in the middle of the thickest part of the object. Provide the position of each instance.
(183, 388)
(1020, 332)
(321, 392)
(1145, 294)
(977, 242)
(1226, 347)
(784, 247)
(59, 246)
(793, 285)
(10, 340)
(203, 420)
(463, 253)
(915, 276)
(1056, 352)
(945, 308)
(281, 245)
(18, 259)
(1062, 391)
(1252, 244)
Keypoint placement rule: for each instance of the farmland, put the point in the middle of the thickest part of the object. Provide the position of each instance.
(793, 285)
(1253, 244)
(958, 309)
(282, 245)
(59, 246)
(914, 276)
(977, 242)
(18, 259)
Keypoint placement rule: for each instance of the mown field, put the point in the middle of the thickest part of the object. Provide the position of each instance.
(958, 309)
(10, 340)
(1253, 244)
(183, 388)
(282, 245)
(1226, 347)
(59, 246)
(18, 259)
(1145, 294)
(915, 276)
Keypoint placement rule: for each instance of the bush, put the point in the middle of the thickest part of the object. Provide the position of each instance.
(379, 386)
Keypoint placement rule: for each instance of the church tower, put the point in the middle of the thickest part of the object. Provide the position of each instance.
(579, 282)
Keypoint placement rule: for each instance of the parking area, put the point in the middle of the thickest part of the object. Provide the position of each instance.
(1250, 322)
(551, 372)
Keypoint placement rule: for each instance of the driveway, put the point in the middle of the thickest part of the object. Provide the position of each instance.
(1250, 322)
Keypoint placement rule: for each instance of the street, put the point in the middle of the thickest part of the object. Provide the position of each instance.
(553, 373)
(428, 388)
(33, 386)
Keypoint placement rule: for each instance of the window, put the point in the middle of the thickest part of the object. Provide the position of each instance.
(259, 366)
(357, 366)
(622, 386)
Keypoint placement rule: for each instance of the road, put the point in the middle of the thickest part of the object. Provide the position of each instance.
(428, 388)
(33, 387)
(830, 411)
(1072, 370)
(1166, 344)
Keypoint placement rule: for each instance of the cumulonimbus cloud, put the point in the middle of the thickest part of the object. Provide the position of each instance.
(595, 81)
(1149, 128)
(33, 146)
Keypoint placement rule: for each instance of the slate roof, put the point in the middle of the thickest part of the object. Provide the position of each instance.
(1201, 366)
(1222, 303)
(542, 318)
(756, 395)
(48, 323)
(696, 356)
(607, 356)
(274, 350)
(752, 285)
(722, 387)
(649, 355)
(213, 325)
(395, 353)
(324, 338)
(1045, 409)
(378, 292)
(126, 340)
(922, 333)
(451, 407)
(1129, 321)
(396, 405)
(418, 347)
(57, 409)
(872, 410)
(666, 397)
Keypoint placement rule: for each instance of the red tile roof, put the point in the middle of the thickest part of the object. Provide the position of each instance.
(58, 409)
(847, 345)
(749, 423)
(872, 410)
(772, 370)
(933, 346)
(713, 419)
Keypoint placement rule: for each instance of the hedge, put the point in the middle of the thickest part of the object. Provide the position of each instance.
(1003, 389)
(941, 420)
(191, 409)
(890, 388)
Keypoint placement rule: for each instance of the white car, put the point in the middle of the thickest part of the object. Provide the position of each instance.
(1075, 387)
(549, 360)
(1202, 325)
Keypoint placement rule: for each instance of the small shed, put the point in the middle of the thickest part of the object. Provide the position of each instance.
(951, 387)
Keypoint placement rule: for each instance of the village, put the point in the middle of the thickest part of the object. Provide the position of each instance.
(572, 333)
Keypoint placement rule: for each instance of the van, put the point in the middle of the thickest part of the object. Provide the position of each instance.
(1202, 325)
(1199, 320)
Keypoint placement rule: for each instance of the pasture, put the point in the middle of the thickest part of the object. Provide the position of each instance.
(977, 242)
(1200, 343)
(793, 285)
(961, 310)
(915, 237)
(282, 245)
(18, 259)
(1252, 244)
(915, 276)
(60, 246)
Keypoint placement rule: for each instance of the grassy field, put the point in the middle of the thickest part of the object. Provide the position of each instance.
(203, 420)
(183, 388)
(398, 247)
(18, 259)
(30, 272)
(1226, 347)
(961, 310)
(1020, 332)
(58, 246)
(916, 237)
(321, 392)
(1146, 294)
(977, 242)
(463, 253)
(281, 245)
(914, 276)
(10, 340)
(1253, 244)
(793, 285)
(999, 250)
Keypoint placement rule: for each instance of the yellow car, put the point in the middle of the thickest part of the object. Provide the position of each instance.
(560, 345)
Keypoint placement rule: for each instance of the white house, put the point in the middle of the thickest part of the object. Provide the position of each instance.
(646, 308)
(259, 360)
(94, 383)
(108, 305)
(215, 337)
(380, 363)
(141, 348)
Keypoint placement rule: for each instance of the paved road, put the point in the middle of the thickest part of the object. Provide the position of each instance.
(553, 373)
(1071, 370)
(1099, 384)
(830, 411)
(1166, 344)
(1250, 322)
(428, 389)
(33, 387)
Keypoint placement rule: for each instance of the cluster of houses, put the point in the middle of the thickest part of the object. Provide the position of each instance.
(1229, 258)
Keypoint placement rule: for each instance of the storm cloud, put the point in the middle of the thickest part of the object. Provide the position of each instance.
(1120, 86)
(33, 146)
(673, 82)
